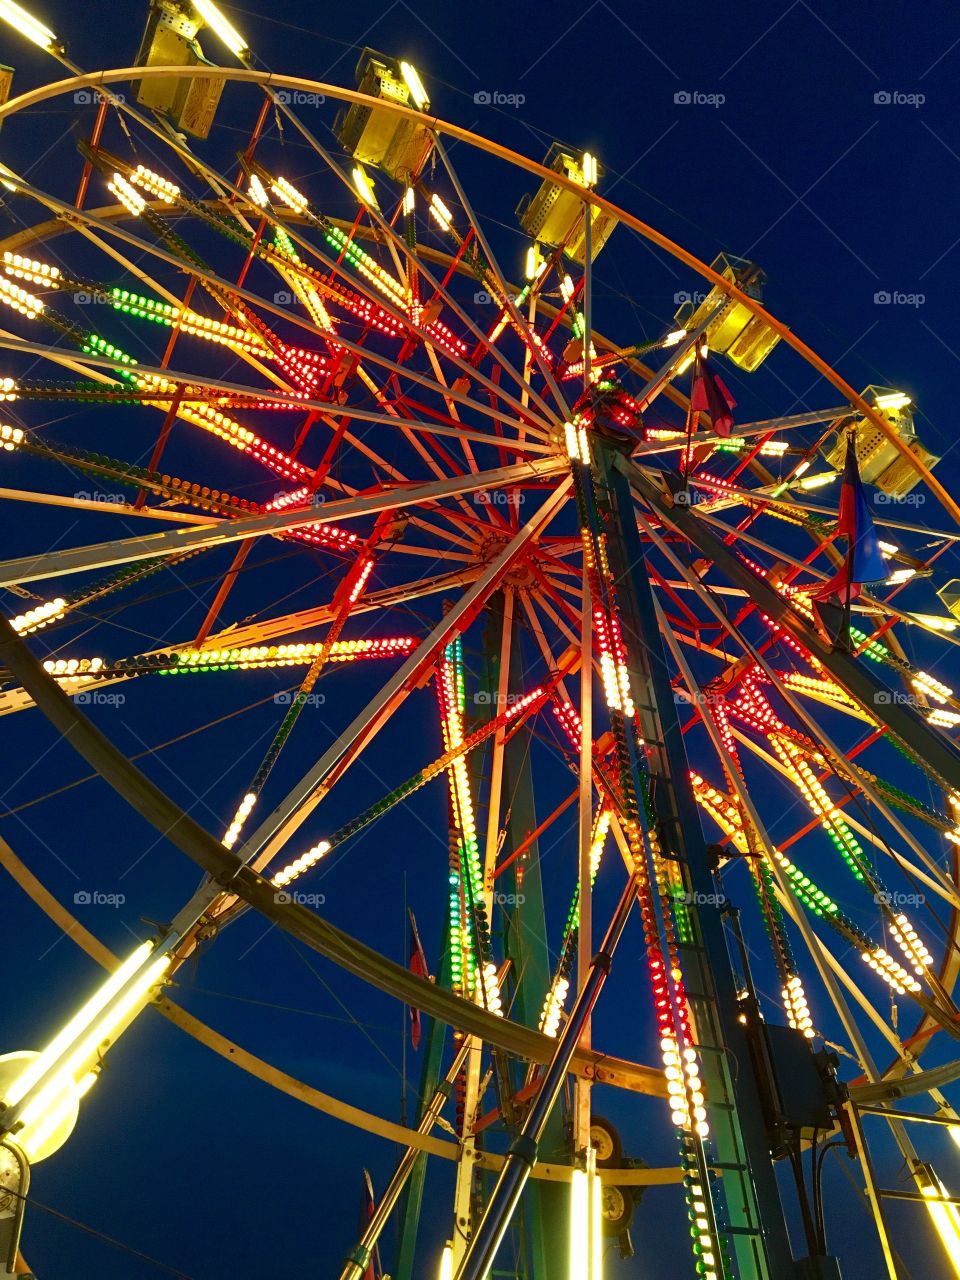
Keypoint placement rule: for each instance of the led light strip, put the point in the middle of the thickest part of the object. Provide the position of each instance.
(390, 287)
(559, 989)
(343, 601)
(20, 300)
(30, 269)
(247, 658)
(187, 321)
(798, 769)
(157, 186)
(303, 863)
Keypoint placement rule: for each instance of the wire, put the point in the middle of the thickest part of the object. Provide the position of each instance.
(99, 1235)
(193, 989)
(796, 1163)
(862, 1197)
(816, 1161)
(90, 777)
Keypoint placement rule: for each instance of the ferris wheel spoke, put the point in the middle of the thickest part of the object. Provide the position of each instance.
(189, 386)
(933, 876)
(536, 627)
(548, 590)
(400, 247)
(276, 829)
(563, 627)
(833, 755)
(241, 645)
(538, 424)
(505, 299)
(105, 508)
(830, 969)
(224, 288)
(33, 568)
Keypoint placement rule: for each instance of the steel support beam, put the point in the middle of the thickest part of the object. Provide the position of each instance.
(102, 555)
(759, 1239)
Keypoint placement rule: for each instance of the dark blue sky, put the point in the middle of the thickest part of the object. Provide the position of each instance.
(821, 141)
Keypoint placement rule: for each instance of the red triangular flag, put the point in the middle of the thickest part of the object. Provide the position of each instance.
(710, 395)
(418, 965)
(864, 560)
(367, 1207)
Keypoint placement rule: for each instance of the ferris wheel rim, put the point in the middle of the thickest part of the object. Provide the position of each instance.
(705, 272)
(271, 81)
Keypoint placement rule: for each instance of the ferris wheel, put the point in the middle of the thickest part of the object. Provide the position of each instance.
(595, 586)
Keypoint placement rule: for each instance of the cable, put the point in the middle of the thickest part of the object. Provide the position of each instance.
(90, 777)
(816, 1161)
(193, 989)
(796, 1163)
(99, 1235)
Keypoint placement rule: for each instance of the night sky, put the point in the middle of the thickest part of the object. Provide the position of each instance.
(819, 141)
